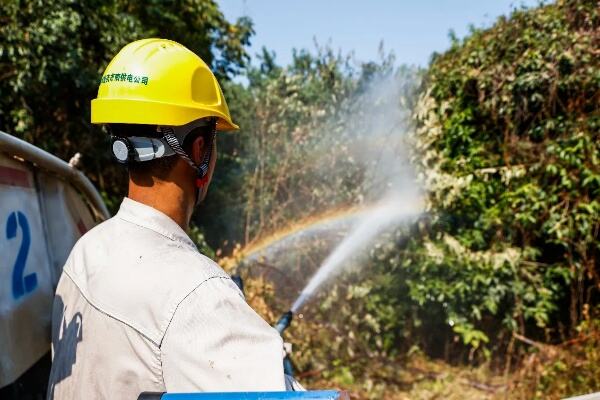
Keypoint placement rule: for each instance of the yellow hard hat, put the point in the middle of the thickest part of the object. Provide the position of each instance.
(159, 82)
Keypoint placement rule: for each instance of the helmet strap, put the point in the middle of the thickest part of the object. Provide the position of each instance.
(202, 168)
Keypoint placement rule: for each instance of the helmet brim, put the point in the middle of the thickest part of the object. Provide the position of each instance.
(133, 111)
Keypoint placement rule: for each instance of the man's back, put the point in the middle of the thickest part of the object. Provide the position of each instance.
(138, 308)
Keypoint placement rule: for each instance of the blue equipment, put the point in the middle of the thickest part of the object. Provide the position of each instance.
(314, 395)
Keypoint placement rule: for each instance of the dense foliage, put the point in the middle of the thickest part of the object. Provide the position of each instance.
(52, 54)
(509, 145)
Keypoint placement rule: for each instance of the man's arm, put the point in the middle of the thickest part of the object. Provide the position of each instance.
(216, 342)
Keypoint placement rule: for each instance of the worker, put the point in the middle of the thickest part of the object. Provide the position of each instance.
(138, 308)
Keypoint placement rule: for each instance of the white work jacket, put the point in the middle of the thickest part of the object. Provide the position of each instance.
(138, 308)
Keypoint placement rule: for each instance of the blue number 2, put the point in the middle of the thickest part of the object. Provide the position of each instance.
(20, 285)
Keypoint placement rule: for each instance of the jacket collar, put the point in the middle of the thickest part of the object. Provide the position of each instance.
(150, 218)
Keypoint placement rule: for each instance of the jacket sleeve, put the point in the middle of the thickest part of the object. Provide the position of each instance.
(216, 342)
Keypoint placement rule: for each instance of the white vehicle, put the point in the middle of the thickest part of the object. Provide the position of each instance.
(46, 205)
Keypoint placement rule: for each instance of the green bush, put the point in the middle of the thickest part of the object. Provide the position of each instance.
(509, 149)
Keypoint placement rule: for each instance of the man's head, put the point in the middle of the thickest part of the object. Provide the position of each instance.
(163, 107)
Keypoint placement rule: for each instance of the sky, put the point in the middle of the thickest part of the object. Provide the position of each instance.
(411, 29)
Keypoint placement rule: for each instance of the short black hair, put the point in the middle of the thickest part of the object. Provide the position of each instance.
(159, 167)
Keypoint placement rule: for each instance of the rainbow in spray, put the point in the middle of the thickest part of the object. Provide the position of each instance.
(384, 215)
(328, 223)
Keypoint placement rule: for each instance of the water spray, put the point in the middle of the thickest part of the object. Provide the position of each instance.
(386, 214)
(376, 131)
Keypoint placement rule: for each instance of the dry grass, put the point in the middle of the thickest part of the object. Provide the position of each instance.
(544, 371)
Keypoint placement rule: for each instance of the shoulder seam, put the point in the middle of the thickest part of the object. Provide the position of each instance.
(161, 232)
(167, 236)
(164, 333)
(110, 315)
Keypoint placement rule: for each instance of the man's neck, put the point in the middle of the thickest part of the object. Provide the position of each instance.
(165, 197)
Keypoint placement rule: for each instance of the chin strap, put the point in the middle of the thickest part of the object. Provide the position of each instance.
(202, 169)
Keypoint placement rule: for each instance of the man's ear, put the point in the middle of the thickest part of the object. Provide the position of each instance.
(198, 148)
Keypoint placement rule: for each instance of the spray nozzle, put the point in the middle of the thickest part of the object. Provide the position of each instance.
(284, 322)
(239, 282)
